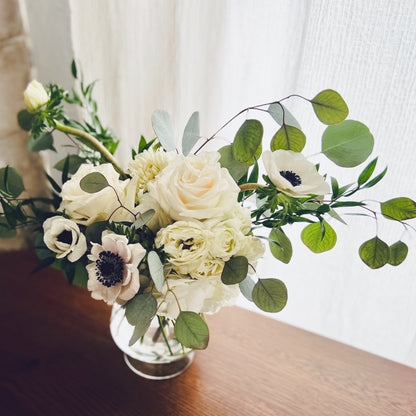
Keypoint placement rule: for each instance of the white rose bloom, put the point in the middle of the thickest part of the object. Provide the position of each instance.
(113, 275)
(187, 243)
(86, 208)
(160, 219)
(147, 165)
(195, 187)
(292, 174)
(252, 248)
(35, 96)
(63, 236)
(211, 267)
(199, 296)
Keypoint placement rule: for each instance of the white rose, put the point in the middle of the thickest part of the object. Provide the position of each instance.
(35, 96)
(195, 187)
(63, 236)
(187, 243)
(113, 275)
(292, 174)
(160, 219)
(199, 296)
(252, 248)
(86, 208)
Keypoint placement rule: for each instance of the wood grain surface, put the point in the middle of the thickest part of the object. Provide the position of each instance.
(58, 358)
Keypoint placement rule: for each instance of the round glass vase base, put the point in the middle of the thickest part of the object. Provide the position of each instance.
(159, 371)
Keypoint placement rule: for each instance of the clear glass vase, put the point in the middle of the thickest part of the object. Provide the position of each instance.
(157, 355)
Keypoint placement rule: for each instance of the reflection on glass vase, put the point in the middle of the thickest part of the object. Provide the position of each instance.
(157, 355)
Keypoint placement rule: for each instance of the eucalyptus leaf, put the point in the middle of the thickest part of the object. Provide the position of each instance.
(235, 270)
(247, 140)
(375, 253)
(246, 288)
(141, 308)
(11, 181)
(93, 182)
(162, 125)
(25, 119)
(280, 246)
(398, 253)
(276, 111)
(319, 238)
(81, 275)
(270, 295)
(237, 169)
(399, 209)
(288, 138)
(348, 143)
(43, 142)
(190, 134)
(74, 162)
(191, 330)
(329, 107)
(94, 231)
(156, 270)
(139, 330)
(144, 218)
(5, 230)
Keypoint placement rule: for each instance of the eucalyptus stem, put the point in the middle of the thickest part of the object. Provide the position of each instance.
(92, 140)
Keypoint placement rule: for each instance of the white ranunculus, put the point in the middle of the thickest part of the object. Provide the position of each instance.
(63, 236)
(160, 219)
(35, 96)
(292, 174)
(195, 187)
(86, 208)
(199, 296)
(187, 243)
(147, 165)
(113, 275)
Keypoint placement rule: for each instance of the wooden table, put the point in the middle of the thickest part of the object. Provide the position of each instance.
(58, 358)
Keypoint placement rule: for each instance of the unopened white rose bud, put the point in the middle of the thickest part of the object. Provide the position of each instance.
(35, 96)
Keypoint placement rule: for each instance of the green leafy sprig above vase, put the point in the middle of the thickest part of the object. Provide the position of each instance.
(175, 234)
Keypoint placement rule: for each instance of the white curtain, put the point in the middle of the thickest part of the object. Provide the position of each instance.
(220, 56)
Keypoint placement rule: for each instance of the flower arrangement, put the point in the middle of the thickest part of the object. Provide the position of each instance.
(174, 235)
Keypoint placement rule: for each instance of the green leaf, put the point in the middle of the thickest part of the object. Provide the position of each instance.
(280, 246)
(162, 125)
(141, 308)
(235, 270)
(53, 183)
(399, 209)
(367, 172)
(74, 162)
(375, 180)
(5, 230)
(276, 111)
(246, 288)
(247, 140)
(319, 237)
(74, 69)
(191, 330)
(43, 142)
(81, 275)
(139, 330)
(270, 295)
(335, 188)
(65, 170)
(329, 107)
(24, 118)
(93, 182)
(335, 215)
(375, 253)
(95, 230)
(156, 270)
(237, 169)
(43, 264)
(190, 134)
(11, 182)
(288, 138)
(41, 249)
(348, 143)
(143, 219)
(348, 204)
(398, 253)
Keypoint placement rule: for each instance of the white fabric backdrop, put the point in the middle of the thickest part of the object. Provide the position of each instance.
(221, 56)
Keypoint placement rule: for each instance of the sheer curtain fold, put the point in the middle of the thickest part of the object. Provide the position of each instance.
(221, 56)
